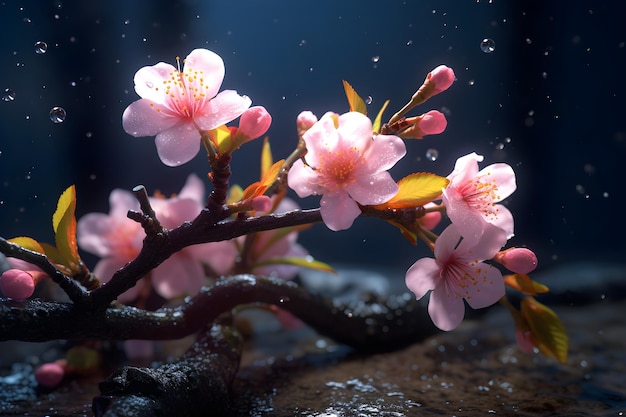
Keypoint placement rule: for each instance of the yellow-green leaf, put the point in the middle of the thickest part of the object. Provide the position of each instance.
(234, 194)
(258, 188)
(266, 157)
(28, 243)
(546, 328)
(379, 117)
(296, 261)
(356, 102)
(67, 201)
(416, 190)
(64, 222)
(524, 284)
(221, 138)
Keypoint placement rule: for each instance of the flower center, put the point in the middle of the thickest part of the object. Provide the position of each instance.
(185, 92)
(481, 194)
(337, 168)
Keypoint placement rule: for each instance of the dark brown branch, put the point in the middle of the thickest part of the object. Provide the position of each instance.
(370, 325)
(194, 385)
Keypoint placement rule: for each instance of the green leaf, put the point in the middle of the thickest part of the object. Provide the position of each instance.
(64, 223)
(307, 262)
(416, 190)
(356, 102)
(547, 329)
(379, 117)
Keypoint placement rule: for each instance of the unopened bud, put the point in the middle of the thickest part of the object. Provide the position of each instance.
(50, 375)
(431, 123)
(304, 121)
(518, 260)
(442, 77)
(17, 284)
(254, 122)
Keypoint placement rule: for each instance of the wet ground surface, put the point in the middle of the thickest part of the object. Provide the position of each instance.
(475, 370)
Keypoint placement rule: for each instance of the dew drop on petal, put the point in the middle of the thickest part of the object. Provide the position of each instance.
(8, 95)
(432, 154)
(57, 114)
(41, 47)
(487, 45)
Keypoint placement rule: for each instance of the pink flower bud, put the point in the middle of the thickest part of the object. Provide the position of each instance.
(430, 220)
(304, 121)
(50, 375)
(261, 203)
(442, 77)
(17, 284)
(433, 123)
(254, 122)
(518, 260)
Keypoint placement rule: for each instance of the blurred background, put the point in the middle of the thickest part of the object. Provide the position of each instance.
(545, 94)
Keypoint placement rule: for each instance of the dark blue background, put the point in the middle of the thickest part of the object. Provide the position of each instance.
(554, 86)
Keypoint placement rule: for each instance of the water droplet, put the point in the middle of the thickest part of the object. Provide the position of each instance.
(487, 45)
(375, 58)
(471, 83)
(57, 114)
(302, 42)
(369, 100)
(149, 84)
(500, 146)
(8, 95)
(432, 154)
(41, 47)
(409, 42)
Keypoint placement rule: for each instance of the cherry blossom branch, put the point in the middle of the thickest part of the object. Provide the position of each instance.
(367, 325)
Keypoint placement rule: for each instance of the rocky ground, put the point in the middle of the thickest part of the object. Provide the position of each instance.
(475, 370)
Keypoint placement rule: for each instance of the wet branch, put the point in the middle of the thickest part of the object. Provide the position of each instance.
(367, 325)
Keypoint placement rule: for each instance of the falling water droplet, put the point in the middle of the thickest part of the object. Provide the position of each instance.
(41, 47)
(432, 154)
(375, 58)
(369, 100)
(487, 45)
(8, 95)
(57, 114)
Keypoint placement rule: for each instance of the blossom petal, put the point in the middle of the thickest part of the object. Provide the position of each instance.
(209, 65)
(465, 168)
(490, 287)
(383, 152)
(178, 144)
(504, 176)
(491, 241)
(338, 210)
(421, 277)
(302, 179)
(193, 189)
(177, 276)
(92, 230)
(504, 220)
(373, 189)
(149, 81)
(320, 139)
(141, 118)
(357, 127)
(223, 108)
(469, 222)
(446, 309)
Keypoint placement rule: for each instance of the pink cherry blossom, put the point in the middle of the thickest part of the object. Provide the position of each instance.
(471, 196)
(175, 105)
(254, 122)
(458, 273)
(346, 165)
(117, 240)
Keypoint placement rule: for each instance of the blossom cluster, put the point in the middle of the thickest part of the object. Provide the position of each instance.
(343, 158)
